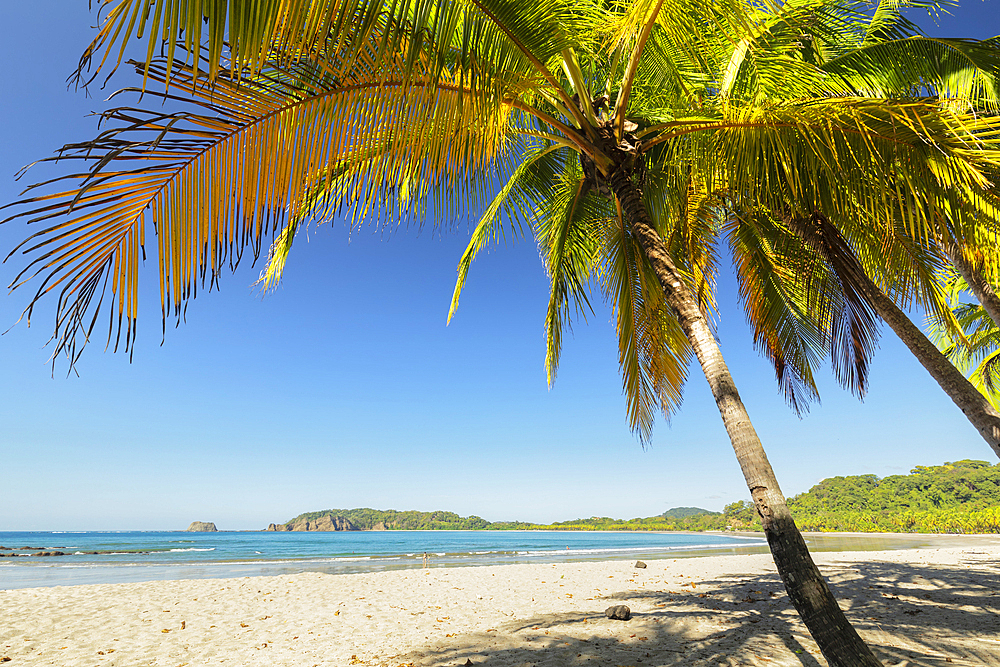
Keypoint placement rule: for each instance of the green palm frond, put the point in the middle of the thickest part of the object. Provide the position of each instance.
(843, 300)
(531, 181)
(788, 323)
(845, 155)
(977, 351)
(653, 352)
(967, 71)
(245, 29)
(567, 229)
(693, 238)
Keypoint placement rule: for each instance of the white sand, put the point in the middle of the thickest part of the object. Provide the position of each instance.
(915, 607)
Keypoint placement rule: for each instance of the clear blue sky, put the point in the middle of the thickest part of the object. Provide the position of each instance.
(346, 389)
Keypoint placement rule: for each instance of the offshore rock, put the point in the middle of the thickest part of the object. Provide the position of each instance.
(202, 527)
(276, 526)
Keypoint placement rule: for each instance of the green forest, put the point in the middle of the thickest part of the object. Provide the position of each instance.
(365, 518)
(959, 497)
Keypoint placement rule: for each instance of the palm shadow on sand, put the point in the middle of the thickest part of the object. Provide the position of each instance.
(912, 615)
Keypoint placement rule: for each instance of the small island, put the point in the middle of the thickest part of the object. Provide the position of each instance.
(202, 527)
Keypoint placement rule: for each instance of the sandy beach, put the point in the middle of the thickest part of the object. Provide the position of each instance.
(930, 606)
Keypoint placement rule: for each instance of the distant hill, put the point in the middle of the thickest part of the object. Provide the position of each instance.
(365, 518)
(959, 497)
(684, 512)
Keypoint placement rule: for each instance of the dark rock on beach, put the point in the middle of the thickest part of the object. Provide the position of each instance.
(618, 612)
(639, 564)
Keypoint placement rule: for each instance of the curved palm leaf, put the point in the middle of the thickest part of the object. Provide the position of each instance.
(977, 351)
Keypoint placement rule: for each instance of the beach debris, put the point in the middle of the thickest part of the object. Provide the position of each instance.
(639, 564)
(5, 659)
(468, 662)
(618, 612)
(183, 625)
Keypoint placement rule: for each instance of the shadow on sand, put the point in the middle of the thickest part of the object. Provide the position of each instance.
(909, 614)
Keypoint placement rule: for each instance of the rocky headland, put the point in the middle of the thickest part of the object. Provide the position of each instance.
(323, 523)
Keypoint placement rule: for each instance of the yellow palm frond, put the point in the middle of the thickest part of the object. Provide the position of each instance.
(223, 178)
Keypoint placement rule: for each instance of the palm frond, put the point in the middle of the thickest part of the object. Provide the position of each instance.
(854, 331)
(567, 229)
(221, 178)
(966, 71)
(976, 351)
(788, 322)
(531, 181)
(653, 352)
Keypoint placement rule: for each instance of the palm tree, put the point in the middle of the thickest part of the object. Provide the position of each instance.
(905, 261)
(409, 109)
(826, 239)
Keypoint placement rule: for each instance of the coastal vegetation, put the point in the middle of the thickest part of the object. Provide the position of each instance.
(365, 518)
(828, 147)
(958, 497)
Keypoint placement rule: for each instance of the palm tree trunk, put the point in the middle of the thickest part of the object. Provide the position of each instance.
(806, 587)
(977, 282)
(822, 236)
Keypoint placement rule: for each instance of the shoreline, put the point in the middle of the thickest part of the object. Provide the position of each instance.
(66, 570)
(915, 606)
(486, 530)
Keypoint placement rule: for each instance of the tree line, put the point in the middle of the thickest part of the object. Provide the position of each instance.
(958, 497)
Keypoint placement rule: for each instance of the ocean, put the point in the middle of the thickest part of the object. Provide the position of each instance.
(147, 556)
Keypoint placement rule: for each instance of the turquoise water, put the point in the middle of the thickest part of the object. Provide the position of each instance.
(147, 556)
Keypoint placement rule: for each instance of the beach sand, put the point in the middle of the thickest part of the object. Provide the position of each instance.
(931, 606)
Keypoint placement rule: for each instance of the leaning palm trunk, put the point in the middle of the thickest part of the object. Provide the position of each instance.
(806, 587)
(977, 282)
(817, 232)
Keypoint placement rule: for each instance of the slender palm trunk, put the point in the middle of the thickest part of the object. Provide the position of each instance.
(822, 236)
(806, 587)
(980, 287)
(969, 400)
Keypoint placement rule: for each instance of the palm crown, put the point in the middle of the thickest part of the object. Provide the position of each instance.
(731, 117)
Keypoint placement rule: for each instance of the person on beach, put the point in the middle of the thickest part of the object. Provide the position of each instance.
(425, 559)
